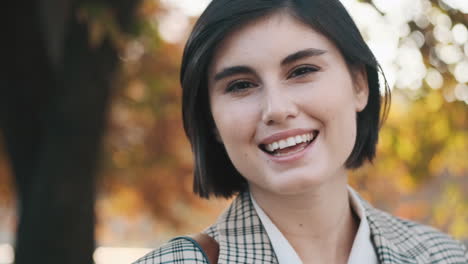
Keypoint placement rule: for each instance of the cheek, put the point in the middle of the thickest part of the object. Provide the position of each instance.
(234, 120)
(340, 114)
(236, 124)
(343, 129)
(334, 107)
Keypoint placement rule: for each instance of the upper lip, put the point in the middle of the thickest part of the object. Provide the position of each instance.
(284, 135)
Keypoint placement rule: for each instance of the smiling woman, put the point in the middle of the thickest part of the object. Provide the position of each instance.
(274, 90)
(281, 99)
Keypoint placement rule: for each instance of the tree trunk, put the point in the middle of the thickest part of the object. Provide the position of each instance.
(55, 96)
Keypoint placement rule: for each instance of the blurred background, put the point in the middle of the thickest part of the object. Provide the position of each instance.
(144, 183)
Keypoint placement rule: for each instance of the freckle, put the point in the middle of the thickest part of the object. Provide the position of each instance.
(300, 225)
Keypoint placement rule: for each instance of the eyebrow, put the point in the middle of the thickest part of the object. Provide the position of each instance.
(301, 55)
(230, 71)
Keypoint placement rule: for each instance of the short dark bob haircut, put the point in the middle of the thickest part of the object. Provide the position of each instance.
(214, 172)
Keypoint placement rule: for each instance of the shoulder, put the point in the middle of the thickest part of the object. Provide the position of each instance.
(412, 239)
(178, 250)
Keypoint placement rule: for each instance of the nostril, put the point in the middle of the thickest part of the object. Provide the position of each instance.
(270, 122)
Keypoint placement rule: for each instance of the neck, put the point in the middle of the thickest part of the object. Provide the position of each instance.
(319, 223)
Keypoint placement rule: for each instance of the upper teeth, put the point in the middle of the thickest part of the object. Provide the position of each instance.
(289, 142)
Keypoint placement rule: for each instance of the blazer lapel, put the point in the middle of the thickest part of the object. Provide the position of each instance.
(240, 234)
(392, 239)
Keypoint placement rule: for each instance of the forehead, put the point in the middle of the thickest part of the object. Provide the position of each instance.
(272, 37)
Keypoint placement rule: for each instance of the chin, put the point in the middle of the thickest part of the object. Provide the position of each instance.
(296, 184)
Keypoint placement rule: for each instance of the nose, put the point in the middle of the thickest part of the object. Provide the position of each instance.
(278, 107)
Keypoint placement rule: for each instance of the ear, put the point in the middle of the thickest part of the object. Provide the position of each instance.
(361, 87)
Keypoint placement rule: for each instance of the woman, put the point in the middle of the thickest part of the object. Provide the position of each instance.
(280, 99)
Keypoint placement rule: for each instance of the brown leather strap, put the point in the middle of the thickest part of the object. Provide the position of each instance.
(209, 245)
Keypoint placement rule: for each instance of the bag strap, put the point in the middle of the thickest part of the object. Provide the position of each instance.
(209, 246)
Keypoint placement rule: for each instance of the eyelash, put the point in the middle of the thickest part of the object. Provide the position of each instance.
(233, 86)
(295, 73)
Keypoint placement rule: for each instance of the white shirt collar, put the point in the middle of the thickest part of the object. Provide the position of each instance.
(362, 251)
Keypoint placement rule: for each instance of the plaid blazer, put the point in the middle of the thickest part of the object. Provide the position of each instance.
(242, 239)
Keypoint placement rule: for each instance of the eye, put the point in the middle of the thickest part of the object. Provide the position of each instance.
(239, 86)
(303, 70)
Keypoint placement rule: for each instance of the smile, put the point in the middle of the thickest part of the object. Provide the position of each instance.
(289, 145)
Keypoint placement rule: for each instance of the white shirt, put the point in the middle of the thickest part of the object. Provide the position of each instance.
(362, 251)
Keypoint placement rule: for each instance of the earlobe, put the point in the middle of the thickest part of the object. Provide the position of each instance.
(361, 88)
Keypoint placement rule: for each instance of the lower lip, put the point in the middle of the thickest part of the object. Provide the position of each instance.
(293, 157)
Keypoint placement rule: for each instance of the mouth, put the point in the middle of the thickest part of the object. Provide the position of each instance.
(290, 145)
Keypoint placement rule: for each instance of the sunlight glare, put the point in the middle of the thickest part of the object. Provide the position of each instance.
(461, 5)
(191, 8)
(449, 53)
(442, 34)
(104, 255)
(461, 92)
(6, 254)
(460, 34)
(409, 60)
(173, 26)
(461, 71)
(434, 79)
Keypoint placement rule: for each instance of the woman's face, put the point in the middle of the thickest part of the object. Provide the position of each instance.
(284, 104)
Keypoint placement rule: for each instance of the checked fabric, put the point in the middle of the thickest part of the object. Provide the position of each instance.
(242, 239)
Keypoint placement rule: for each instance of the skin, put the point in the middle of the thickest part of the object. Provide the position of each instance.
(316, 91)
